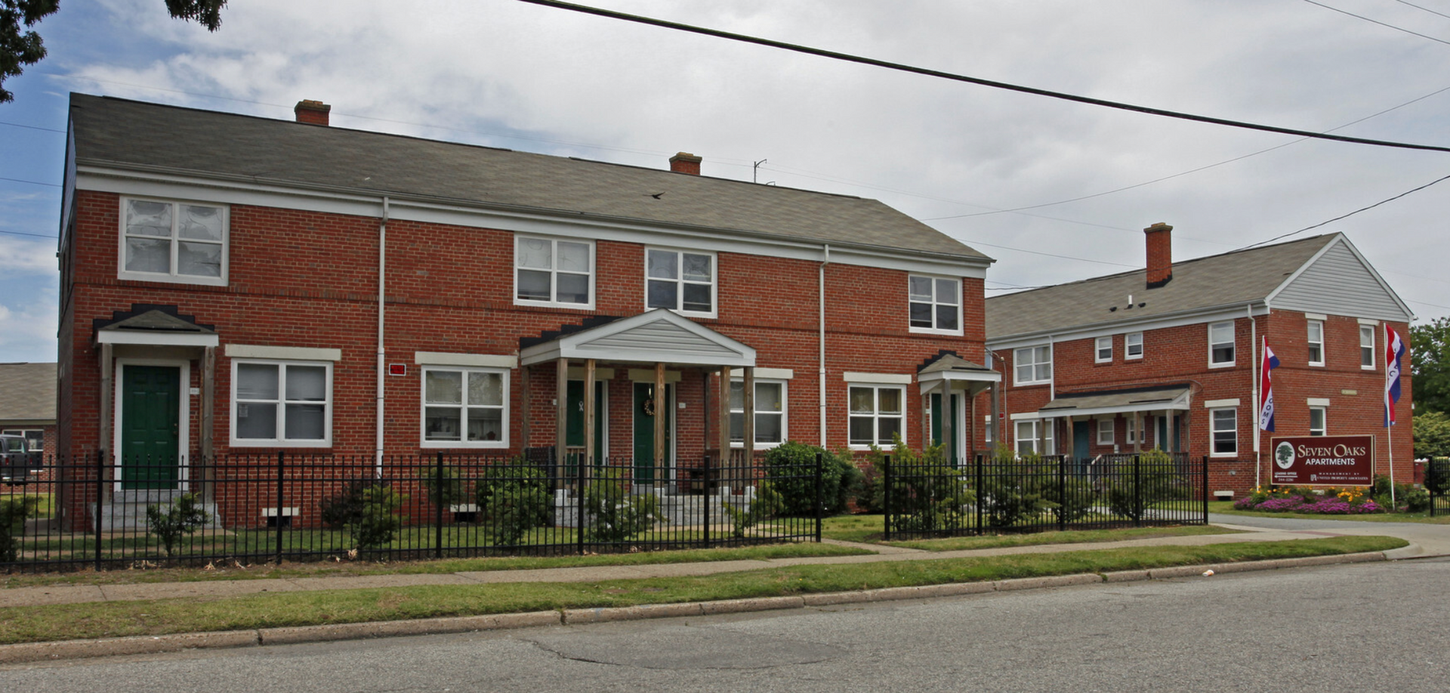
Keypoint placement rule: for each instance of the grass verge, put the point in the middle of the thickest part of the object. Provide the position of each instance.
(108, 619)
(1227, 508)
(1068, 537)
(320, 569)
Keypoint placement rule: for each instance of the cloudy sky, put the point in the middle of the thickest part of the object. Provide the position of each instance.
(1056, 191)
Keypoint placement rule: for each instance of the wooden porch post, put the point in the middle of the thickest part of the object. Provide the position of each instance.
(524, 415)
(589, 450)
(208, 401)
(661, 402)
(997, 436)
(971, 425)
(723, 417)
(561, 410)
(946, 418)
(748, 408)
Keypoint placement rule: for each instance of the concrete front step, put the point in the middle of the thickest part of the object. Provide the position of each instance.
(127, 508)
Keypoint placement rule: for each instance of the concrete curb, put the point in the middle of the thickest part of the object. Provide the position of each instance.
(79, 649)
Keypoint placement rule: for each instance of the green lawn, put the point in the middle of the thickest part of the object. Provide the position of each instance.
(869, 529)
(1227, 508)
(109, 619)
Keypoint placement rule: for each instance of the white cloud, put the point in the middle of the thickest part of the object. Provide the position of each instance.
(27, 333)
(21, 255)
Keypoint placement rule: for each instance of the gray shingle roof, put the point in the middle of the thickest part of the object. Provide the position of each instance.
(27, 392)
(1238, 277)
(134, 135)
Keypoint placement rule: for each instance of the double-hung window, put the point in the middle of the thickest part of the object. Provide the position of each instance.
(769, 413)
(1133, 345)
(1366, 347)
(1316, 343)
(465, 407)
(553, 272)
(936, 304)
(1034, 437)
(1132, 430)
(1221, 344)
(680, 281)
(1318, 421)
(878, 412)
(1032, 365)
(173, 242)
(281, 403)
(1103, 350)
(1224, 431)
(1105, 431)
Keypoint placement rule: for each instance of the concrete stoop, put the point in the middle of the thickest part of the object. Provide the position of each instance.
(126, 511)
(78, 649)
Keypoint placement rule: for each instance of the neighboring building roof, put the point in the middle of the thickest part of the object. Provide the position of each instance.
(27, 393)
(1157, 398)
(1232, 279)
(130, 135)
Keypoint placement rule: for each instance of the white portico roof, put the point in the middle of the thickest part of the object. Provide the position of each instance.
(658, 336)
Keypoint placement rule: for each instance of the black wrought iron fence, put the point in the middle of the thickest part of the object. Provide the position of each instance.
(1437, 482)
(999, 494)
(105, 512)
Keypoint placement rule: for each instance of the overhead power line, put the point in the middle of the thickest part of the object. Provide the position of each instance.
(1411, 4)
(22, 233)
(31, 182)
(1375, 21)
(30, 127)
(1345, 216)
(847, 57)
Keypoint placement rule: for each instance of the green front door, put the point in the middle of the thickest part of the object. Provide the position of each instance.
(150, 430)
(644, 430)
(951, 451)
(574, 422)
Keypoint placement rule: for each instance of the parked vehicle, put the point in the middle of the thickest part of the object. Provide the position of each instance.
(16, 459)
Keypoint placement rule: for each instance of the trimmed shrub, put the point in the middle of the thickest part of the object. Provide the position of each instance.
(613, 513)
(934, 496)
(791, 466)
(512, 500)
(13, 512)
(1157, 479)
(366, 509)
(767, 504)
(182, 516)
(443, 486)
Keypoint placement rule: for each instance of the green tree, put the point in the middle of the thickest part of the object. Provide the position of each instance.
(19, 48)
(1430, 365)
(1432, 434)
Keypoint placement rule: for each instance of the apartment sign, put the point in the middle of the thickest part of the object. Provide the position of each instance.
(1322, 460)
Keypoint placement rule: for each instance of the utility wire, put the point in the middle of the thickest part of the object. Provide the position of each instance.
(30, 127)
(1343, 216)
(32, 182)
(22, 233)
(1374, 21)
(797, 48)
(1411, 4)
(1063, 257)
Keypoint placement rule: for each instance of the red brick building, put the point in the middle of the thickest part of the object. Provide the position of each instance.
(27, 403)
(1168, 357)
(233, 284)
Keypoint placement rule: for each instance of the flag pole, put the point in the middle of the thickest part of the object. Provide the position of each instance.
(1256, 367)
(1389, 421)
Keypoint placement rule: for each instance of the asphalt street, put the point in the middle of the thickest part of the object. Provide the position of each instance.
(1382, 626)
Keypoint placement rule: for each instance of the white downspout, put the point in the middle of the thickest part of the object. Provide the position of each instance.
(826, 260)
(382, 286)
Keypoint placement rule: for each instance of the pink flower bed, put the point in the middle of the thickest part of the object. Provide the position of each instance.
(1330, 505)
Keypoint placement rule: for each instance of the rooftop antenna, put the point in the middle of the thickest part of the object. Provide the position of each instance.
(755, 171)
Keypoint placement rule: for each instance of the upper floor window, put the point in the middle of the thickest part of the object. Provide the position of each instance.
(173, 242)
(465, 407)
(553, 272)
(680, 281)
(1221, 344)
(769, 413)
(1133, 345)
(1366, 346)
(1032, 365)
(281, 403)
(1316, 343)
(1103, 350)
(878, 413)
(936, 304)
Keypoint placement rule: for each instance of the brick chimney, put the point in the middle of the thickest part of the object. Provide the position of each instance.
(1160, 254)
(685, 162)
(312, 112)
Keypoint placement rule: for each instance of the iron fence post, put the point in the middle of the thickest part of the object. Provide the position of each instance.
(578, 498)
(100, 484)
(886, 497)
(439, 497)
(706, 519)
(1137, 493)
(980, 493)
(281, 465)
(820, 490)
(1062, 493)
(1204, 490)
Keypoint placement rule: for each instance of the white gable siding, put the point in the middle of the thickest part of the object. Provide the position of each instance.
(1337, 283)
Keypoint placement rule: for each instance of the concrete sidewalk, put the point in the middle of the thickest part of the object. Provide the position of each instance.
(1425, 540)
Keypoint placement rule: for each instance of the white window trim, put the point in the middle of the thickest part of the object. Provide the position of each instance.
(1212, 431)
(280, 441)
(172, 277)
(680, 281)
(1017, 364)
(183, 417)
(956, 281)
(987, 428)
(1373, 342)
(876, 388)
(553, 273)
(1322, 356)
(1111, 437)
(1128, 354)
(463, 442)
(1040, 427)
(1098, 349)
(784, 411)
(1130, 430)
(1323, 417)
(1233, 341)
